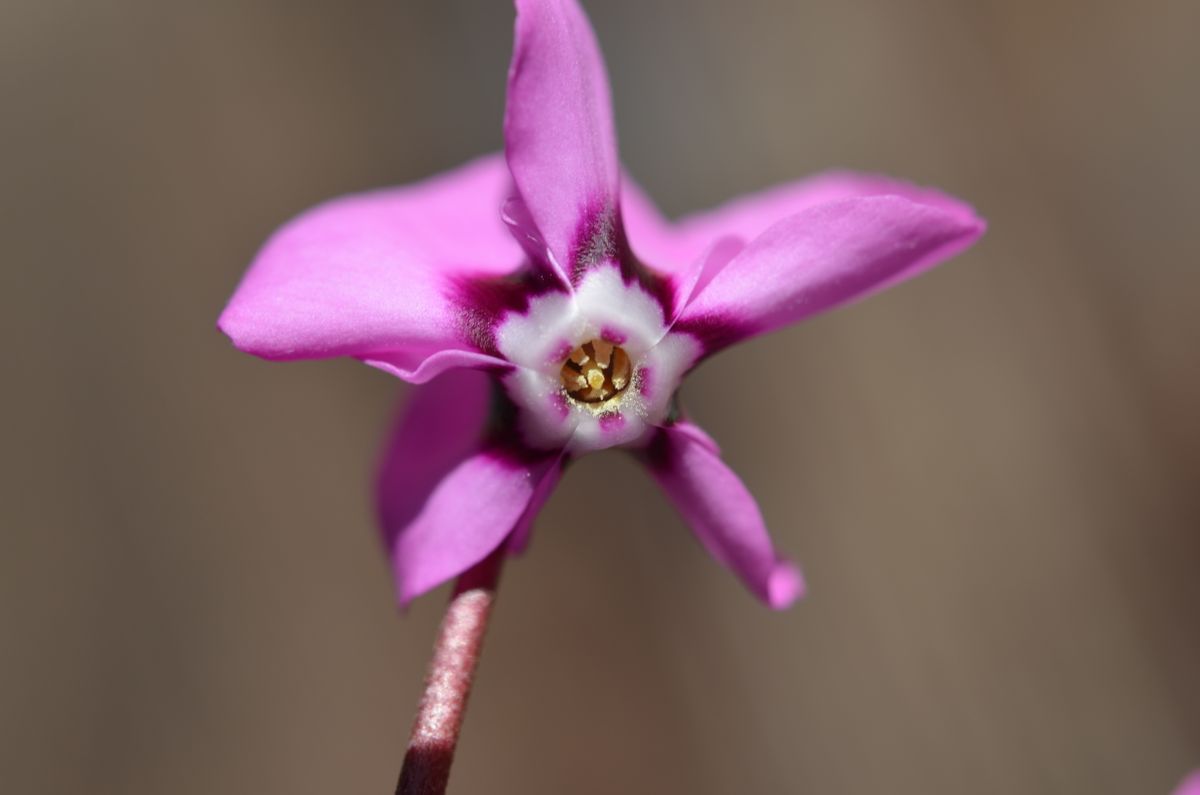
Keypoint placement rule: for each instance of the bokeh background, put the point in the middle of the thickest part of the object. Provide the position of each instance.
(990, 474)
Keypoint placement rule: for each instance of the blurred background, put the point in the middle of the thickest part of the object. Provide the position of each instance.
(990, 475)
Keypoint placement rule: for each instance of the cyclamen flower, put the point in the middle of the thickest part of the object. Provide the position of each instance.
(548, 311)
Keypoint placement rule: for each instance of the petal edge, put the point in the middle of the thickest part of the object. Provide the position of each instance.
(370, 275)
(560, 139)
(684, 461)
(821, 258)
(446, 497)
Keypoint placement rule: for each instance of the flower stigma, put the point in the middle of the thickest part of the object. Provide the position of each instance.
(596, 372)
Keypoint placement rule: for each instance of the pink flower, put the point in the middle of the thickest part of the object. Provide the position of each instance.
(548, 311)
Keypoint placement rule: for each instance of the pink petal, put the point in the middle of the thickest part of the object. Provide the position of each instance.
(693, 279)
(725, 518)
(376, 275)
(447, 499)
(559, 135)
(658, 244)
(655, 240)
(822, 257)
(691, 250)
(749, 216)
(671, 247)
(1190, 785)
(519, 540)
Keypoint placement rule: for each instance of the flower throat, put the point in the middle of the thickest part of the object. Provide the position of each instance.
(596, 371)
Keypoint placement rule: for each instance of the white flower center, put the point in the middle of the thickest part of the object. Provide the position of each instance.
(595, 368)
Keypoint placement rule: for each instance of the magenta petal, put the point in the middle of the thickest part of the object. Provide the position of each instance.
(471, 511)
(825, 256)
(373, 275)
(1190, 785)
(445, 499)
(725, 518)
(418, 370)
(519, 540)
(558, 128)
(653, 238)
(657, 243)
(692, 280)
(749, 216)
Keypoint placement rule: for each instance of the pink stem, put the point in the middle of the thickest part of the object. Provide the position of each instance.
(430, 752)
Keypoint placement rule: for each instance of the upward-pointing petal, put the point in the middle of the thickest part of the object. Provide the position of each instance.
(559, 134)
(374, 275)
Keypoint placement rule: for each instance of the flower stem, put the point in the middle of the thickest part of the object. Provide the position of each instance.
(430, 751)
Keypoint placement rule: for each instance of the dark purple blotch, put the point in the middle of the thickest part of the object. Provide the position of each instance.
(485, 300)
(601, 239)
(502, 439)
(714, 331)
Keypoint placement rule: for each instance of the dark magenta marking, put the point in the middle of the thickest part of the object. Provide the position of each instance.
(559, 402)
(485, 300)
(600, 238)
(645, 381)
(658, 453)
(610, 334)
(613, 421)
(714, 332)
(502, 436)
(562, 352)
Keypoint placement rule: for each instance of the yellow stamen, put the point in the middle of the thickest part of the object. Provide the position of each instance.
(596, 371)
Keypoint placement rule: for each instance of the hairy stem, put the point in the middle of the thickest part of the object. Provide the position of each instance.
(439, 720)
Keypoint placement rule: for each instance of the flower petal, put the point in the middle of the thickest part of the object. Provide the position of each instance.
(1190, 785)
(669, 248)
(749, 216)
(822, 257)
(376, 275)
(446, 498)
(559, 134)
(654, 239)
(693, 250)
(693, 279)
(725, 518)
(519, 539)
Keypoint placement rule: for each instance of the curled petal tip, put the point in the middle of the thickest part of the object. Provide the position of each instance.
(784, 586)
(973, 223)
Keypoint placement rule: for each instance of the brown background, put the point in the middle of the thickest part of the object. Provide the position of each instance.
(990, 475)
